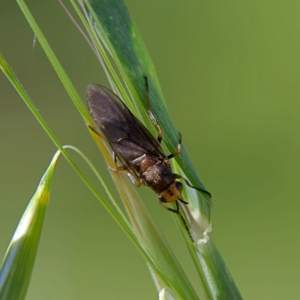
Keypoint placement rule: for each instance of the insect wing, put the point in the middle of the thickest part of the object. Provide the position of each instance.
(128, 137)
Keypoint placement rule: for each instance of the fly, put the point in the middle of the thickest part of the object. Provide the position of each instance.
(139, 152)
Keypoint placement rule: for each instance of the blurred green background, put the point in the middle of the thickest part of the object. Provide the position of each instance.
(230, 74)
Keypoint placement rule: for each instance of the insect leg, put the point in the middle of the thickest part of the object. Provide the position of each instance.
(178, 148)
(118, 168)
(176, 211)
(122, 170)
(150, 113)
(188, 183)
(95, 131)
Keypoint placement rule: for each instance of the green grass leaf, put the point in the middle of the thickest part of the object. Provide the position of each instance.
(117, 42)
(18, 262)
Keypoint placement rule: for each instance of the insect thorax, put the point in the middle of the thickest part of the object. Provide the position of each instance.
(156, 173)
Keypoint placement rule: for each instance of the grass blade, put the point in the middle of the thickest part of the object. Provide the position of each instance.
(18, 262)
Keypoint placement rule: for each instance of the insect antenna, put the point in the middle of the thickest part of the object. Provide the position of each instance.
(181, 200)
(196, 188)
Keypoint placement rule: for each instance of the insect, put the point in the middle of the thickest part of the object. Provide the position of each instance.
(139, 152)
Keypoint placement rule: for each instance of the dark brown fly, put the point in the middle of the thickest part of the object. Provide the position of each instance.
(139, 152)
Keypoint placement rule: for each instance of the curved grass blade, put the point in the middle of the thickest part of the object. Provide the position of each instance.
(18, 262)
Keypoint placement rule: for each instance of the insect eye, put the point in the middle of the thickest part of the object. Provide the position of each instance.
(179, 186)
(162, 199)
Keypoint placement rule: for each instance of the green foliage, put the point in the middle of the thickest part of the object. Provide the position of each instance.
(116, 39)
